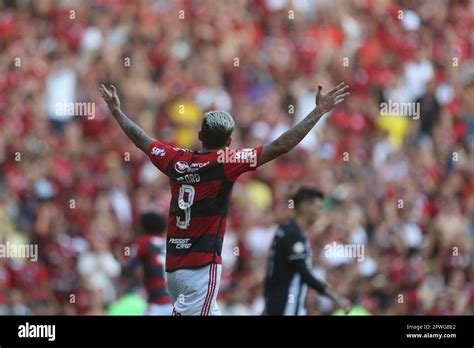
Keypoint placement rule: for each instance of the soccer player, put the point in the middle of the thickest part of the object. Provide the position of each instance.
(201, 184)
(150, 252)
(289, 265)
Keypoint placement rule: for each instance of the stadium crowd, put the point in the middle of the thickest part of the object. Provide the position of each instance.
(400, 185)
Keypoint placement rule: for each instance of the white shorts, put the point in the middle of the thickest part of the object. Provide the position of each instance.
(194, 291)
(159, 309)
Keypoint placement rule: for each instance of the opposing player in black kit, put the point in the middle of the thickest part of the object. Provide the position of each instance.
(289, 264)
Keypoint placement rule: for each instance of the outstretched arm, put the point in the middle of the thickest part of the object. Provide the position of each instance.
(133, 131)
(293, 136)
(321, 287)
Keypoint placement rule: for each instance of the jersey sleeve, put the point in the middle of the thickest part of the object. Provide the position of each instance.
(239, 161)
(161, 155)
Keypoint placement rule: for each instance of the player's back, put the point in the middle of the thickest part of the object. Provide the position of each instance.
(201, 186)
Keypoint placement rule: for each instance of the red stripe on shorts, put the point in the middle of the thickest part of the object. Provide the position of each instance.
(209, 285)
(209, 304)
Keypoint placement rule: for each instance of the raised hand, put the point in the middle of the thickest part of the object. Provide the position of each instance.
(133, 131)
(325, 102)
(110, 97)
(292, 137)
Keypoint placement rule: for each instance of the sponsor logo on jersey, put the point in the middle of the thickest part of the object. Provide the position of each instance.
(181, 167)
(181, 243)
(184, 167)
(237, 156)
(158, 152)
(298, 247)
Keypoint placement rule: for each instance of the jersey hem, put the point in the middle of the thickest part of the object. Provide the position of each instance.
(192, 267)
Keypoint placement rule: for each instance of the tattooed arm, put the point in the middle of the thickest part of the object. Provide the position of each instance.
(293, 136)
(133, 131)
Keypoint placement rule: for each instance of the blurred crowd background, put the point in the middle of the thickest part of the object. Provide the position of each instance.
(401, 186)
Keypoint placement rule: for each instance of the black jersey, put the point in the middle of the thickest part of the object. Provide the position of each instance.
(285, 289)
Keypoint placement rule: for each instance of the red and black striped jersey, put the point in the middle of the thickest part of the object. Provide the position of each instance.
(201, 187)
(151, 254)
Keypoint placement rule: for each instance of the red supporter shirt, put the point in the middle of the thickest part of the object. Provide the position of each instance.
(201, 186)
(151, 253)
